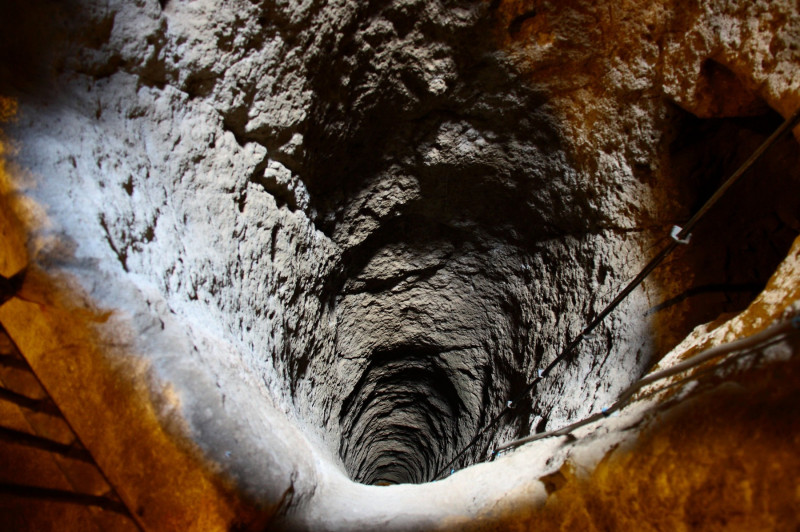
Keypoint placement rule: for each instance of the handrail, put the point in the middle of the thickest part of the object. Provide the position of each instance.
(751, 342)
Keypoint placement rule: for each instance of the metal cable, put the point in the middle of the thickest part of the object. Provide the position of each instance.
(749, 343)
(678, 238)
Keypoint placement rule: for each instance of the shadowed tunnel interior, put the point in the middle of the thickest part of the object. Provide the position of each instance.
(399, 414)
(471, 243)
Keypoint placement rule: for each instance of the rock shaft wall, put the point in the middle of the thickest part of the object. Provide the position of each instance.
(341, 235)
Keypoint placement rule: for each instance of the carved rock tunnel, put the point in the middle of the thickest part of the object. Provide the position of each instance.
(437, 320)
(389, 215)
(471, 254)
(414, 405)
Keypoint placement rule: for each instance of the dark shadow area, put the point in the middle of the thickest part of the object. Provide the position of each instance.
(29, 32)
(376, 116)
(401, 413)
(740, 243)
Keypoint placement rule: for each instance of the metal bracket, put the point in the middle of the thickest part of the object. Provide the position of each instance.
(676, 230)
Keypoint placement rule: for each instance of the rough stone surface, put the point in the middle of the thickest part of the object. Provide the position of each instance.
(341, 235)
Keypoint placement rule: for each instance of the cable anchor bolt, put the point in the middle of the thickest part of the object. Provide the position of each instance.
(676, 230)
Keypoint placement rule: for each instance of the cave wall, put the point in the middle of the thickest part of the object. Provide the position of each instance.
(339, 236)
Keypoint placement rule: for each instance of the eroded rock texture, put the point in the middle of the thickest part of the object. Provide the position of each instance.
(341, 235)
